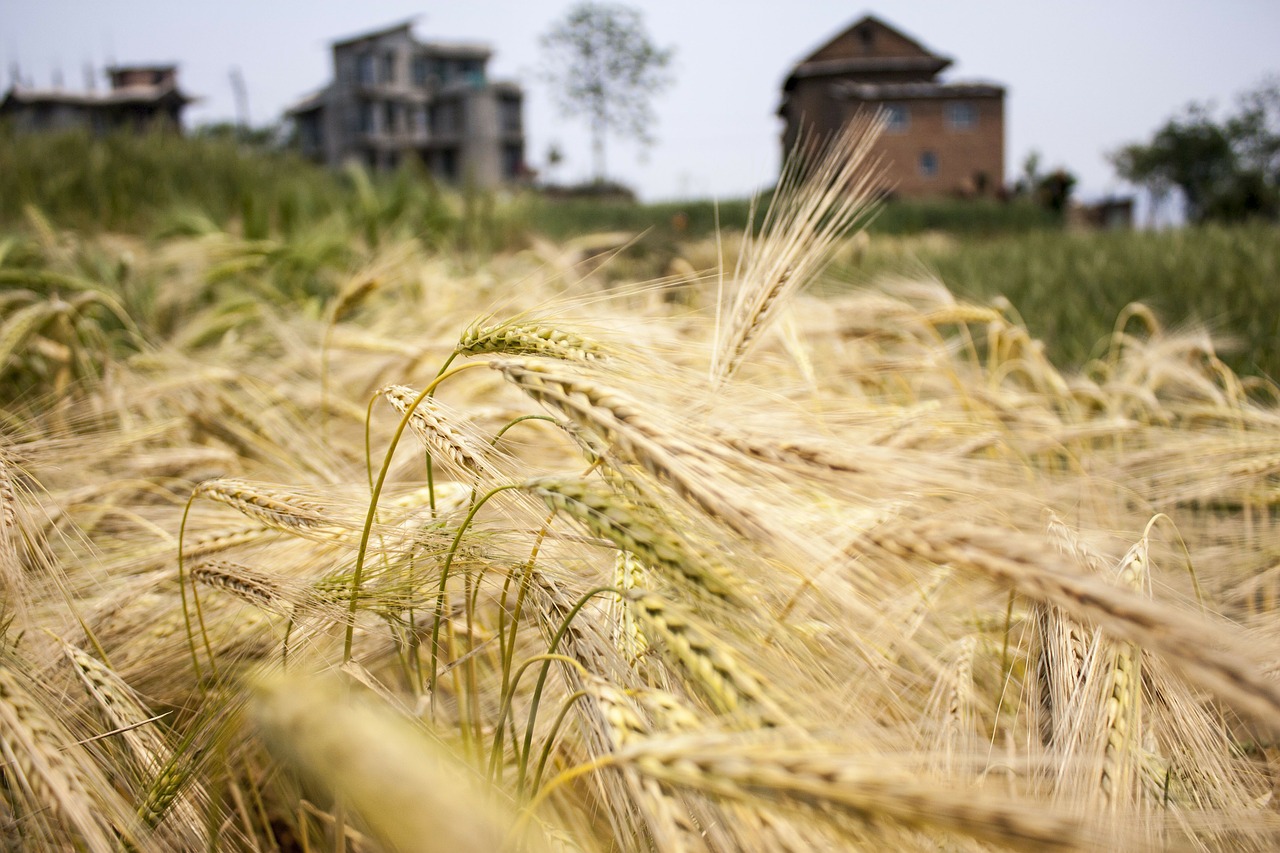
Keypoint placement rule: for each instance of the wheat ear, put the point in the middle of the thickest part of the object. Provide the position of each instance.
(865, 788)
(637, 529)
(527, 339)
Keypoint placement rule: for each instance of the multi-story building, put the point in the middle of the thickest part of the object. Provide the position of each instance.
(940, 138)
(141, 97)
(394, 97)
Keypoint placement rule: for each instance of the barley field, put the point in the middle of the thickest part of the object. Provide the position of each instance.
(337, 537)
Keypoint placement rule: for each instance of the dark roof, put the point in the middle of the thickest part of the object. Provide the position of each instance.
(312, 102)
(457, 49)
(872, 19)
(126, 95)
(908, 91)
(158, 66)
(404, 25)
(823, 67)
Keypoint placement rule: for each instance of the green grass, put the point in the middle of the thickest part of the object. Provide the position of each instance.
(1070, 287)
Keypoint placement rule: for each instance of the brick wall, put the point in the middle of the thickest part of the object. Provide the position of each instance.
(965, 161)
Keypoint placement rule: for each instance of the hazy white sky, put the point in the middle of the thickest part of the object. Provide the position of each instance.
(1083, 76)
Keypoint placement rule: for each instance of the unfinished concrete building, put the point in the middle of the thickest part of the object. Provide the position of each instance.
(394, 97)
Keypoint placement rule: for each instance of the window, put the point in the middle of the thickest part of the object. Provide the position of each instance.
(928, 164)
(897, 118)
(364, 121)
(387, 72)
(512, 162)
(447, 164)
(473, 71)
(421, 71)
(962, 115)
(509, 115)
(364, 68)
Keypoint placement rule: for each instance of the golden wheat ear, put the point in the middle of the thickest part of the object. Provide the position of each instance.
(823, 196)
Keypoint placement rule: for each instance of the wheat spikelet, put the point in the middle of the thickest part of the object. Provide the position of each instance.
(802, 226)
(1232, 675)
(275, 508)
(668, 820)
(953, 697)
(1066, 650)
(628, 574)
(405, 788)
(23, 323)
(636, 529)
(126, 714)
(517, 339)
(50, 770)
(726, 682)
(618, 791)
(430, 421)
(10, 560)
(866, 788)
(240, 581)
(1124, 696)
(682, 466)
(354, 292)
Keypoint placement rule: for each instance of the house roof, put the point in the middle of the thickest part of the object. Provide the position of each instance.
(128, 95)
(404, 26)
(910, 91)
(157, 66)
(869, 45)
(315, 101)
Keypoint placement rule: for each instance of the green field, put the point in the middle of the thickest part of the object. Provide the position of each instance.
(348, 513)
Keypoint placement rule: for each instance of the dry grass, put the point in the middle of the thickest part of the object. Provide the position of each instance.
(859, 572)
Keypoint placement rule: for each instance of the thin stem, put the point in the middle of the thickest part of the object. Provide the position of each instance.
(444, 578)
(546, 668)
(509, 697)
(551, 736)
(358, 575)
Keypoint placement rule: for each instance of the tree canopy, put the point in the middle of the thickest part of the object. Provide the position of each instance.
(603, 65)
(1226, 170)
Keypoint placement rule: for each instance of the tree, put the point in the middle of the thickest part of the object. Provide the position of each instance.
(1051, 191)
(1226, 170)
(602, 64)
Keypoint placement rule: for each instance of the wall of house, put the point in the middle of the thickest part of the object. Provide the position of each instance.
(966, 161)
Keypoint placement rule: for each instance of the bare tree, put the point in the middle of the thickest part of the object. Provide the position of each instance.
(603, 65)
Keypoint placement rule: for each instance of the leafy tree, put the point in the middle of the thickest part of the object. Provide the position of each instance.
(1051, 191)
(1226, 170)
(603, 65)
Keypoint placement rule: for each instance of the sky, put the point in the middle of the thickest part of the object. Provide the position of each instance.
(1084, 77)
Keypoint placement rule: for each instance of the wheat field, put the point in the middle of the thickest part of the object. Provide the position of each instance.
(497, 555)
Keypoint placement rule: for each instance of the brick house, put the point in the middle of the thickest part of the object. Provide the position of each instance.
(394, 97)
(141, 97)
(940, 139)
